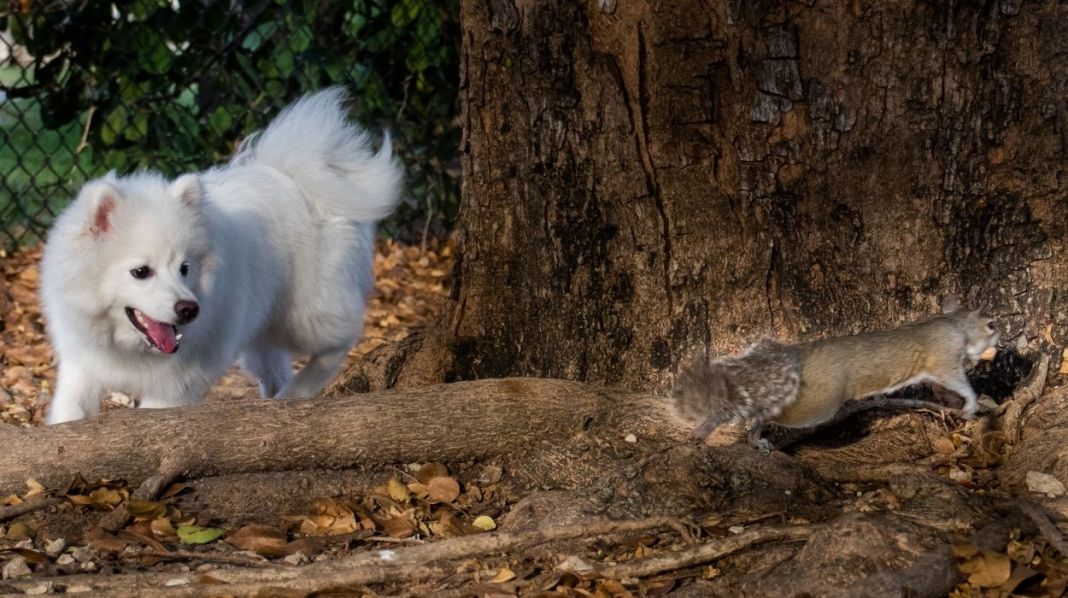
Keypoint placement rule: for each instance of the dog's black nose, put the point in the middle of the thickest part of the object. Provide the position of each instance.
(187, 311)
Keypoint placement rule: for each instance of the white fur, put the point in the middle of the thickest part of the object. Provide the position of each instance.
(279, 246)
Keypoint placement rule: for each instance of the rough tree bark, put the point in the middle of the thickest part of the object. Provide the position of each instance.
(647, 180)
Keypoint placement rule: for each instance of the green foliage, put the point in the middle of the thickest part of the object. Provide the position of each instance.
(175, 86)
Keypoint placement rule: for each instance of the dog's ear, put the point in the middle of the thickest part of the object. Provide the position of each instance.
(103, 198)
(188, 190)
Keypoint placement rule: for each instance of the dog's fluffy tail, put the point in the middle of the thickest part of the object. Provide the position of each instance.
(330, 158)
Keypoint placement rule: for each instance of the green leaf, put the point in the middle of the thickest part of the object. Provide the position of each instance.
(194, 534)
(114, 125)
(220, 120)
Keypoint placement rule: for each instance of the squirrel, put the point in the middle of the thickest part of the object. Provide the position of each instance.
(805, 385)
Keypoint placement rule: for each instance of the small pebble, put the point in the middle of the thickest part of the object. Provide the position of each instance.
(14, 568)
(55, 547)
(631, 438)
(297, 558)
(181, 581)
(65, 559)
(736, 529)
(1043, 483)
(44, 588)
(78, 589)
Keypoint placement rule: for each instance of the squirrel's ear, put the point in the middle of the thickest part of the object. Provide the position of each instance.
(103, 197)
(950, 304)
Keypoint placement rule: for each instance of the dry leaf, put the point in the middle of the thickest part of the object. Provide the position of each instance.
(37, 558)
(19, 531)
(141, 532)
(332, 518)
(443, 489)
(429, 471)
(990, 570)
(145, 510)
(102, 540)
(173, 490)
(100, 497)
(420, 491)
(261, 539)
(398, 527)
(504, 575)
(396, 490)
(34, 488)
(943, 445)
(163, 528)
(448, 526)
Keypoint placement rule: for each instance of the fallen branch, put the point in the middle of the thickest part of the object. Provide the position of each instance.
(448, 423)
(401, 564)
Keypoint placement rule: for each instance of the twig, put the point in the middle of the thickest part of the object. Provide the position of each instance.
(392, 540)
(1038, 514)
(704, 553)
(215, 557)
(84, 141)
(28, 507)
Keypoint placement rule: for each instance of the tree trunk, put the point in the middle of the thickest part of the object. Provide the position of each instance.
(644, 181)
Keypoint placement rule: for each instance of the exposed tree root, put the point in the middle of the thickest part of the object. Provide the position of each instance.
(455, 422)
(699, 555)
(1029, 389)
(1040, 516)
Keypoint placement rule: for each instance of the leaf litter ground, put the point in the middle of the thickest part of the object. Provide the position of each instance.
(419, 503)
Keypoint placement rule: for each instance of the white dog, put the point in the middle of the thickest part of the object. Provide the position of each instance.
(261, 258)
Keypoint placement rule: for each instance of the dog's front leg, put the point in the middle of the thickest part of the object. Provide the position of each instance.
(77, 395)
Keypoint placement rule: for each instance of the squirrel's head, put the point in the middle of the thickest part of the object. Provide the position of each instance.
(980, 334)
(700, 391)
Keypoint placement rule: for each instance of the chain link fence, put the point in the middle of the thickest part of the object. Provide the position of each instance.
(174, 85)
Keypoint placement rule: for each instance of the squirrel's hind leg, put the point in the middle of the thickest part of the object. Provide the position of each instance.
(756, 439)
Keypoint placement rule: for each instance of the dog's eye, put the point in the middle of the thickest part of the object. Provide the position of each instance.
(184, 269)
(141, 272)
(990, 327)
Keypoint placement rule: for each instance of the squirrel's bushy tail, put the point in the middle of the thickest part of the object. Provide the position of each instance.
(330, 158)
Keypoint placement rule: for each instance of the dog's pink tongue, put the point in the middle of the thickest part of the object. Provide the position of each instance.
(161, 334)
